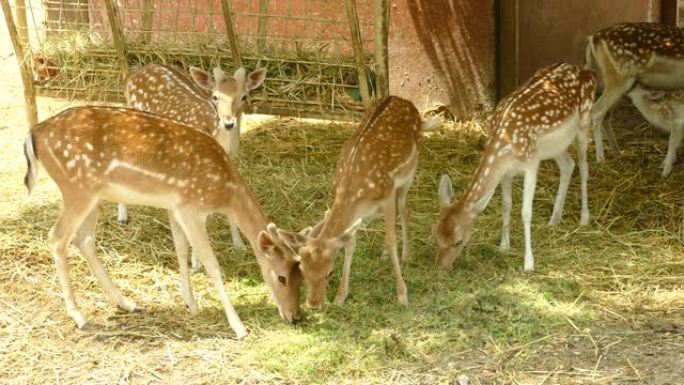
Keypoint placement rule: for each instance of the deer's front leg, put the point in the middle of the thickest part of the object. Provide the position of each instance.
(180, 242)
(343, 289)
(390, 208)
(506, 203)
(528, 198)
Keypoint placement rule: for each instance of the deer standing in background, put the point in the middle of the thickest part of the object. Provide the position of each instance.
(97, 154)
(165, 91)
(537, 121)
(664, 110)
(375, 170)
(649, 53)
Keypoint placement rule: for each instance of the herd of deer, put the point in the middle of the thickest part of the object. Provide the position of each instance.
(172, 149)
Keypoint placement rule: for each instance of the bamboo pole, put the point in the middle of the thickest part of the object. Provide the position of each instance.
(117, 33)
(226, 6)
(21, 23)
(381, 29)
(24, 66)
(357, 43)
(147, 20)
(263, 19)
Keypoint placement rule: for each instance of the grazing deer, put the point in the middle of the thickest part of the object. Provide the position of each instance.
(375, 170)
(99, 154)
(649, 53)
(537, 121)
(664, 110)
(165, 91)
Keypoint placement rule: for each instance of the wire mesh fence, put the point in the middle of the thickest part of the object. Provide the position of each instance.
(305, 45)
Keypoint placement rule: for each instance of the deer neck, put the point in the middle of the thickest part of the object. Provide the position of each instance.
(247, 214)
(337, 221)
(488, 175)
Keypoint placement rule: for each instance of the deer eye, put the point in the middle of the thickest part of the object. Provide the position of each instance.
(329, 274)
(282, 279)
(214, 98)
(243, 97)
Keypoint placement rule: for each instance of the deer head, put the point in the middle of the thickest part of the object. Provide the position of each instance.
(229, 93)
(316, 256)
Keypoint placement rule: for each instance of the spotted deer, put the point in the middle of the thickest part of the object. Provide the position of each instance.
(537, 121)
(97, 154)
(649, 53)
(163, 90)
(375, 170)
(664, 110)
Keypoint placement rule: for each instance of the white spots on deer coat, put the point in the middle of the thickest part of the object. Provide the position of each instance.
(626, 43)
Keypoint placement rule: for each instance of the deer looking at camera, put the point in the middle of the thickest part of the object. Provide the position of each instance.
(537, 121)
(648, 53)
(165, 91)
(97, 154)
(664, 110)
(375, 170)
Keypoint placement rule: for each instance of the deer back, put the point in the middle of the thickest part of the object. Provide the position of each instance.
(381, 150)
(632, 47)
(90, 149)
(165, 91)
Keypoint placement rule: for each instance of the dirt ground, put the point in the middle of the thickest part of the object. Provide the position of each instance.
(39, 344)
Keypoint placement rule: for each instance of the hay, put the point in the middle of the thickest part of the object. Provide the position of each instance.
(303, 82)
(596, 286)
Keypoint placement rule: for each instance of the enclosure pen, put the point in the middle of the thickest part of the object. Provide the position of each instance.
(320, 63)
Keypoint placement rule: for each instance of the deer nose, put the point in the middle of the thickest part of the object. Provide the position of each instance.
(228, 125)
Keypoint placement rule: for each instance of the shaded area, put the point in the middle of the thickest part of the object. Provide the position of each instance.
(442, 52)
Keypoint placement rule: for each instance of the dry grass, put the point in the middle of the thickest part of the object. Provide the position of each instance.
(606, 304)
(299, 82)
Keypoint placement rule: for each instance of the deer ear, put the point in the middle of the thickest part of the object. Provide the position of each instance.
(445, 192)
(255, 79)
(305, 231)
(202, 78)
(265, 242)
(292, 239)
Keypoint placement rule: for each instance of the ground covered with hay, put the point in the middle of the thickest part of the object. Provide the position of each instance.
(605, 305)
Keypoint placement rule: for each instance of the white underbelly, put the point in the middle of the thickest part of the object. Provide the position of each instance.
(556, 142)
(122, 194)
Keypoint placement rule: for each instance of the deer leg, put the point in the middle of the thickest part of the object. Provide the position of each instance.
(672, 145)
(343, 289)
(180, 242)
(614, 89)
(528, 197)
(235, 234)
(85, 241)
(123, 214)
(72, 215)
(237, 243)
(506, 203)
(390, 208)
(565, 165)
(195, 230)
(582, 145)
(402, 195)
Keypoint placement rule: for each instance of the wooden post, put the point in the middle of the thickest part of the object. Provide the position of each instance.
(226, 6)
(117, 34)
(147, 20)
(381, 29)
(263, 19)
(24, 66)
(357, 43)
(21, 24)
